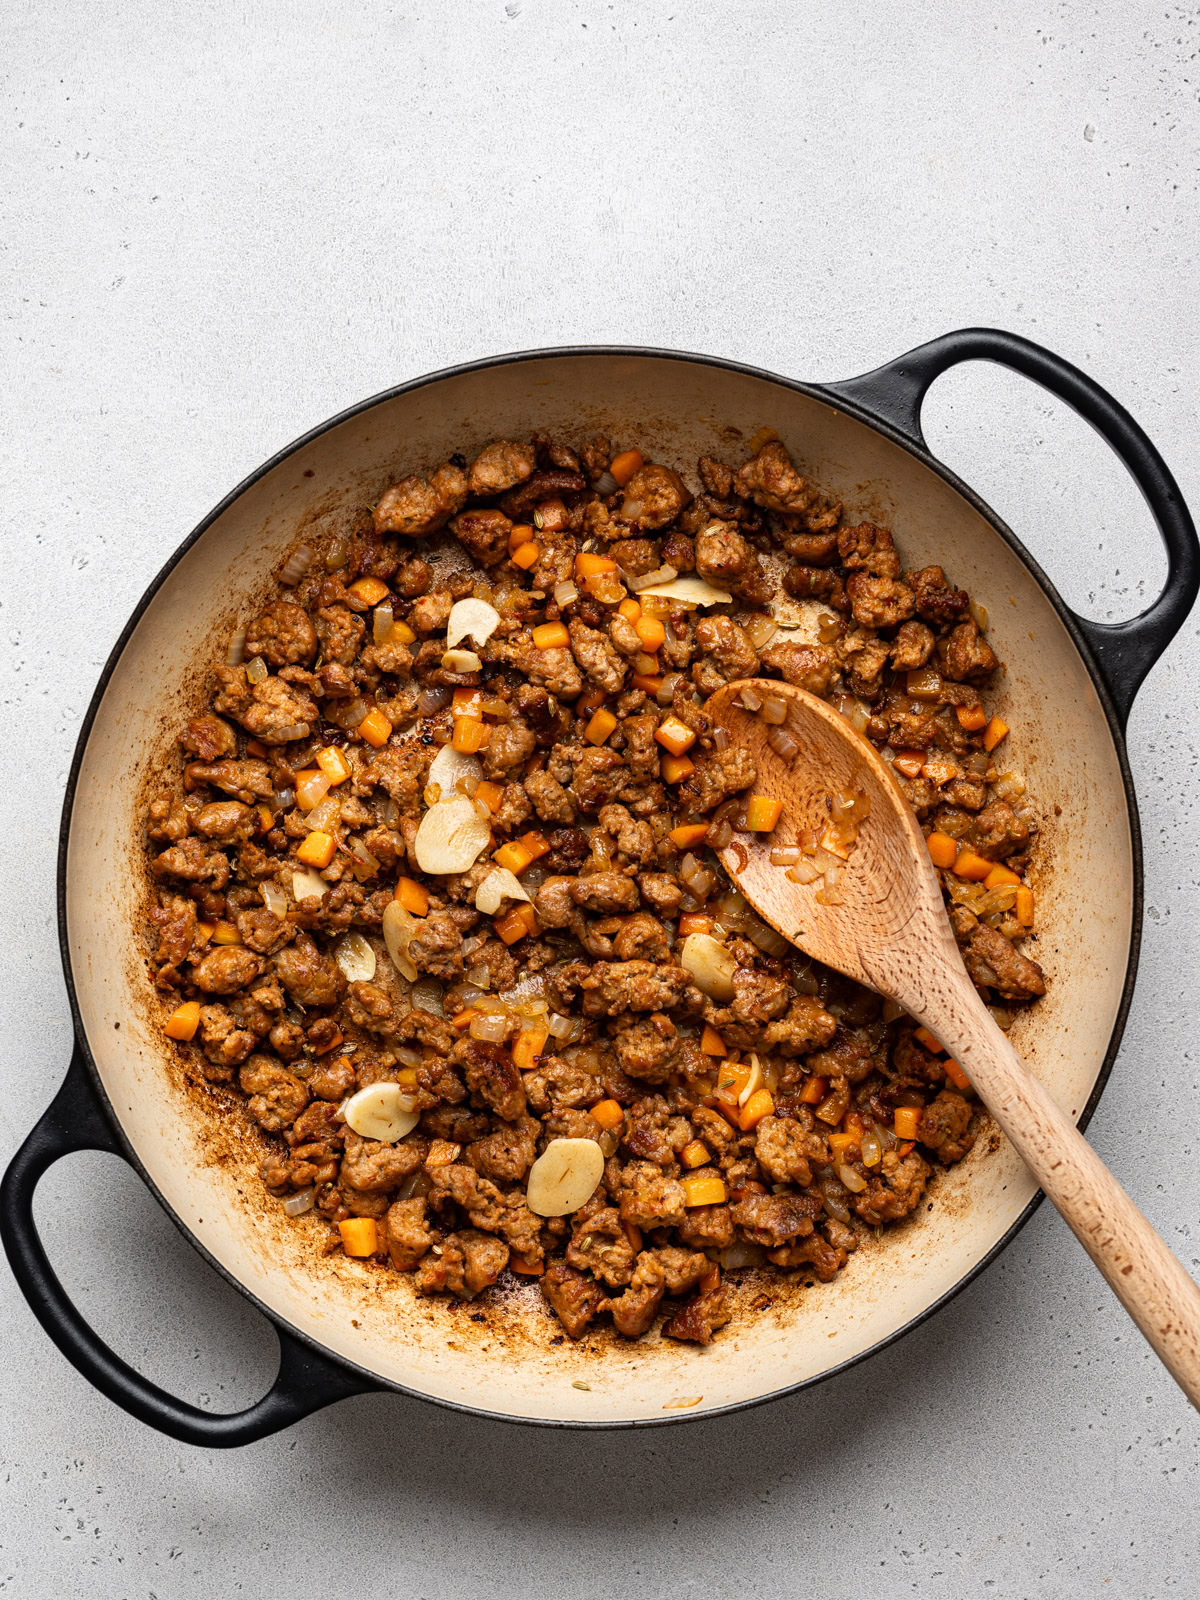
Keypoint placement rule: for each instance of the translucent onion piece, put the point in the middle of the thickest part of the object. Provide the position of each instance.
(337, 555)
(499, 885)
(979, 613)
(710, 964)
(274, 898)
(306, 883)
(365, 864)
(407, 1057)
(751, 699)
(560, 1027)
(451, 836)
(1009, 786)
(759, 629)
(828, 627)
(326, 816)
(398, 928)
(606, 484)
(427, 996)
(783, 744)
(493, 1029)
(803, 872)
(785, 855)
(451, 769)
(433, 700)
(646, 580)
(565, 594)
(355, 957)
(854, 1181)
(297, 1204)
(924, 685)
(720, 738)
(237, 647)
(690, 591)
(353, 713)
(872, 1149)
(666, 689)
(256, 670)
(382, 620)
(564, 1177)
(741, 1255)
(774, 710)
(382, 1111)
(471, 618)
(296, 565)
(765, 937)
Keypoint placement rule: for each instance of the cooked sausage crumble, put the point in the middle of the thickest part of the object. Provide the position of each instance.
(428, 878)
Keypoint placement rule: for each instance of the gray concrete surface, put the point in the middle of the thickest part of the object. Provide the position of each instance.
(222, 223)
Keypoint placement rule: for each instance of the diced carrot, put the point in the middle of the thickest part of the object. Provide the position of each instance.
(927, 1041)
(588, 701)
(696, 1154)
(647, 682)
(732, 1078)
(528, 1046)
(413, 896)
(711, 1281)
(969, 865)
(375, 728)
(204, 932)
(608, 1114)
(535, 843)
(907, 1121)
(520, 533)
(526, 1267)
(651, 632)
(1024, 907)
(814, 1090)
(226, 933)
(492, 795)
(762, 813)
(462, 1019)
(519, 922)
(551, 636)
(942, 849)
(512, 855)
(972, 718)
(759, 1105)
(527, 556)
(852, 1122)
(841, 1144)
(317, 850)
(551, 515)
(401, 633)
(939, 769)
(909, 762)
(711, 1042)
(406, 1077)
(703, 1189)
(674, 735)
(360, 1237)
(993, 733)
(324, 1049)
(470, 735)
(266, 818)
(467, 702)
(442, 1153)
(599, 727)
(956, 1075)
(634, 1234)
(631, 610)
(1002, 878)
(694, 922)
(311, 788)
(183, 1021)
(676, 768)
(333, 764)
(256, 748)
(369, 590)
(588, 565)
(624, 466)
(688, 834)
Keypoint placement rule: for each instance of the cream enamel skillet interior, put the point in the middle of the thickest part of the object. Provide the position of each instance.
(344, 1329)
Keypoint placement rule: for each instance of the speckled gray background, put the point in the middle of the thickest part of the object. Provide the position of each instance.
(221, 226)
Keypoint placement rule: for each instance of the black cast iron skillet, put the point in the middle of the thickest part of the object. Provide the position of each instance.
(889, 401)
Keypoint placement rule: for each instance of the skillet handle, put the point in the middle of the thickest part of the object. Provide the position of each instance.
(306, 1381)
(1124, 651)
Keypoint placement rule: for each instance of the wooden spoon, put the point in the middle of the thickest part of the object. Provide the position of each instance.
(891, 932)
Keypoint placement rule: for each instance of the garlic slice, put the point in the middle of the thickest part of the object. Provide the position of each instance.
(461, 661)
(710, 964)
(399, 926)
(451, 836)
(306, 883)
(454, 773)
(473, 619)
(355, 957)
(754, 1082)
(690, 591)
(564, 1177)
(500, 884)
(380, 1111)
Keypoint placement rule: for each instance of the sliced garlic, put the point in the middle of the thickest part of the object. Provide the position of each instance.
(754, 1082)
(399, 926)
(461, 661)
(355, 957)
(710, 964)
(453, 772)
(380, 1111)
(274, 898)
(500, 884)
(689, 591)
(306, 883)
(473, 619)
(564, 1177)
(451, 836)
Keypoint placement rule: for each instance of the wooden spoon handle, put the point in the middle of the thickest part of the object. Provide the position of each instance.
(1147, 1279)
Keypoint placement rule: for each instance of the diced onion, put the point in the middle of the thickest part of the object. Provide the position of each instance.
(407, 1057)
(828, 627)
(296, 565)
(565, 594)
(666, 689)
(785, 855)
(783, 744)
(382, 620)
(606, 484)
(365, 865)
(256, 670)
(760, 629)
(303, 1200)
(352, 713)
(325, 816)
(720, 738)
(750, 699)
(337, 555)
(492, 1029)
(471, 618)
(355, 957)
(710, 964)
(854, 1181)
(735, 1256)
(560, 1027)
(499, 885)
(774, 710)
(427, 996)
(872, 1149)
(1009, 786)
(237, 646)
(803, 872)
(646, 580)
(430, 701)
(979, 613)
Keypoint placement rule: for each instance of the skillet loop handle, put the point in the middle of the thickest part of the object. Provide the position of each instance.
(1124, 651)
(306, 1381)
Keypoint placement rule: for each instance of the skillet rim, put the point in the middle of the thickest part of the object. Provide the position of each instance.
(827, 395)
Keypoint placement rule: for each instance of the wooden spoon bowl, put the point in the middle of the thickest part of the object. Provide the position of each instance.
(885, 925)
